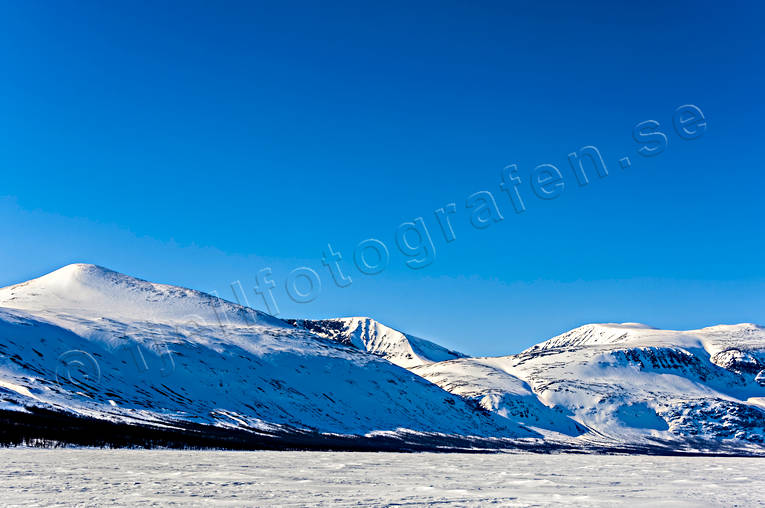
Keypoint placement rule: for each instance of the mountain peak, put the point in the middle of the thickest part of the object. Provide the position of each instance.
(369, 335)
(87, 288)
(77, 272)
(80, 267)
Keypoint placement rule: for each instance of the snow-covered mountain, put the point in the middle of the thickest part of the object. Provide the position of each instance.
(628, 383)
(91, 342)
(88, 348)
(368, 335)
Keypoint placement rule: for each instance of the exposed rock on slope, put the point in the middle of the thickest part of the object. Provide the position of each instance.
(373, 337)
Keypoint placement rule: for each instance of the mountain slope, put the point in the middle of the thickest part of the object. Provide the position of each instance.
(634, 382)
(92, 342)
(368, 335)
(487, 382)
(629, 383)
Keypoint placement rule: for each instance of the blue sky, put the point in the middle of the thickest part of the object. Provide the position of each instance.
(196, 144)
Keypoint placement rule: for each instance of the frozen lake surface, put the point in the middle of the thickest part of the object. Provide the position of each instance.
(158, 477)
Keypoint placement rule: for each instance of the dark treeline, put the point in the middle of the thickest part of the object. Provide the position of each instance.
(45, 428)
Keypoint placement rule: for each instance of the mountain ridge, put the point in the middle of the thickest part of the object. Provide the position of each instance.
(367, 334)
(157, 356)
(95, 343)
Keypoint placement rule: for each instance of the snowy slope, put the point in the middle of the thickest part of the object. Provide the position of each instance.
(368, 335)
(633, 382)
(93, 342)
(629, 383)
(487, 382)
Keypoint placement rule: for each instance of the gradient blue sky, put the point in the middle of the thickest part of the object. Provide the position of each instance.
(195, 144)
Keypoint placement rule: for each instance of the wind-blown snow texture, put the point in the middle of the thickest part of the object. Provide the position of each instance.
(90, 342)
(298, 479)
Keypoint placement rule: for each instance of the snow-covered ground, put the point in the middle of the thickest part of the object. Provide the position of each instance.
(137, 477)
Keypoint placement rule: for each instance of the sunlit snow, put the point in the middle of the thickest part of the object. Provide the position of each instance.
(132, 477)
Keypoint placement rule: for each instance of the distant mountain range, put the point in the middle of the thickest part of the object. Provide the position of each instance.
(92, 357)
